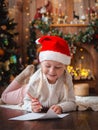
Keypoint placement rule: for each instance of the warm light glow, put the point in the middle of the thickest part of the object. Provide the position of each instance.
(27, 8)
(82, 57)
(80, 73)
(26, 37)
(28, 14)
(26, 29)
(81, 49)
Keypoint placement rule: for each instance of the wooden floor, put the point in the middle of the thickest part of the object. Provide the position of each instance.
(85, 120)
(78, 120)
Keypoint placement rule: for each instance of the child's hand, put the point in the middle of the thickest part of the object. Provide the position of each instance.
(57, 109)
(36, 106)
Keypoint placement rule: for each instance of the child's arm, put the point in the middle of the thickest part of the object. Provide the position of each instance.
(68, 97)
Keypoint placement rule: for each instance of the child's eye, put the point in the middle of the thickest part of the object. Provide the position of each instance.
(58, 67)
(47, 66)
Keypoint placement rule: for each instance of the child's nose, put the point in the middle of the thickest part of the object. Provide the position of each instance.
(52, 70)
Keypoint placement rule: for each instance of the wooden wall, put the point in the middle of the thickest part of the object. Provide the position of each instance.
(24, 11)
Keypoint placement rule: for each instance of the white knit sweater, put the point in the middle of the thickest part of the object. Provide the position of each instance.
(60, 93)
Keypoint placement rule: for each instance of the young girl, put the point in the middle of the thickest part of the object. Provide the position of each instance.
(50, 87)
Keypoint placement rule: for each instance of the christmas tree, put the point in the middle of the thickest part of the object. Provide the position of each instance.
(10, 60)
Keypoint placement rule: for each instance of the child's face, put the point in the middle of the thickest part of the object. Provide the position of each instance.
(52, 69)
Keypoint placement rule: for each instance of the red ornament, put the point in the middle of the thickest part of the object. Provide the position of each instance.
(96, 36)
(1, 52)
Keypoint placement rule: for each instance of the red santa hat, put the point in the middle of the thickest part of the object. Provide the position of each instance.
(54, 48)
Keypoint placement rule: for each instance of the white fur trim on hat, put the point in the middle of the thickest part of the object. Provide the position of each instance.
(55, 56)
(37, 41)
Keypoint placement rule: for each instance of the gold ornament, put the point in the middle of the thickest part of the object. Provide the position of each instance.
(11, 78)
(3, 27)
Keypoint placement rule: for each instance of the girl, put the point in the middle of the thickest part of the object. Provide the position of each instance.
(50, 87)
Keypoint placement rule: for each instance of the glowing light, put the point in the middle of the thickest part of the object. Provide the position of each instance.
(81, 49)
(82, 57)
(80, 73)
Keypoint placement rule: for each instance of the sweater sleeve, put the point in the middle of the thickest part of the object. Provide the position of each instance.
(69, 104)
(32, 89)
(68, 98)
(27, 104)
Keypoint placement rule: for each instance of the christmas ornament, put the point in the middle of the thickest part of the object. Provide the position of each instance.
(1, 52)
(3, 27)
(13, 59)
(7, 63)
(11, 78)
(1, 35)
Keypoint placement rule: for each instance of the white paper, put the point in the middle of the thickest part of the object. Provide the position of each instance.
(35, 116)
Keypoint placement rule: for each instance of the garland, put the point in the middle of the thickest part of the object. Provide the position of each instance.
(90, 35)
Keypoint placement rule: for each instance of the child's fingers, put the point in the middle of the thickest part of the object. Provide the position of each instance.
(36, 104)
(57, 109)
(36, 107)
